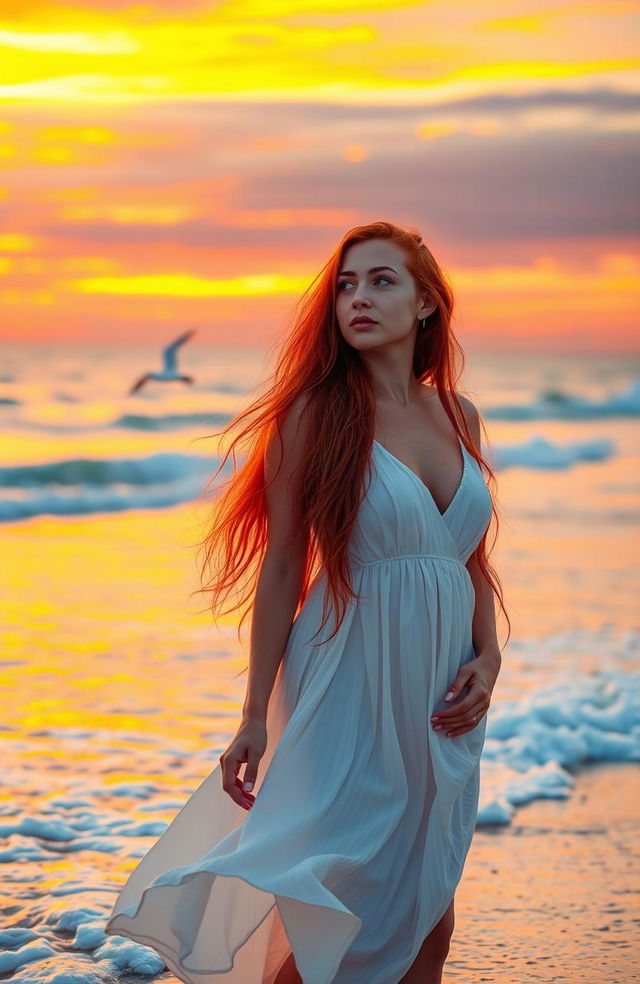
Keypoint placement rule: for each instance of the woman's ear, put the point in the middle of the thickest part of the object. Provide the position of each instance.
(428, 307)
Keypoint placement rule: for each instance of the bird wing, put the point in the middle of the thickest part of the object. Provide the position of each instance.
(138, 385)
(169, 353)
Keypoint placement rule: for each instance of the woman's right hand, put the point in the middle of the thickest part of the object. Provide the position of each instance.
(248, 746)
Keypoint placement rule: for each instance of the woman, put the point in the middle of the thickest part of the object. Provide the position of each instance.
(336, 857)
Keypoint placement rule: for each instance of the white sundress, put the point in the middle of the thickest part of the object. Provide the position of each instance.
(364, 814)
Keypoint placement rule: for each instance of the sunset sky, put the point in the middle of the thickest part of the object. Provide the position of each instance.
(185, 163)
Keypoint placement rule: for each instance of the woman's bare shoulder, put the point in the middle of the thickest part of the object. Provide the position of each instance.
(472, 418)
(468, 406)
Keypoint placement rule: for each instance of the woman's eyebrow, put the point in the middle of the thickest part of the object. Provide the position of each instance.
(350, 273)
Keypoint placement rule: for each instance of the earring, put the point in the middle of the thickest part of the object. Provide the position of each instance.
(422, 323)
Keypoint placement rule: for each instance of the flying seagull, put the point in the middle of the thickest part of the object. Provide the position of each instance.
(170, 371)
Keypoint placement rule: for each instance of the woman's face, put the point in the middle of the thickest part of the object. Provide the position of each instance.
(387, 296)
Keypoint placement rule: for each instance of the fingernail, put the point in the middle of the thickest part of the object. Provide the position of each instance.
(247, 785)
(450, 695)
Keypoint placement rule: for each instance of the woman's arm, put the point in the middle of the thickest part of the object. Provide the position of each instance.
(276, 599)
(280, 578)
(277, 591)
(485, 637)
(478, 675)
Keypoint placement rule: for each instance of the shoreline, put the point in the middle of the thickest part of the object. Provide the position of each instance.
(552, 896)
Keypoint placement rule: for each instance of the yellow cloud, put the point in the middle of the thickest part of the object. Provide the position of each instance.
(524, 24)
(254, 9)
(84, 134)
(160, 215)
(546, 277)
(14, 242)
(90, 88)
(183, 285)
(111, 43)
(397, 51)
(437, 129)
(95, 134)
(53, 155)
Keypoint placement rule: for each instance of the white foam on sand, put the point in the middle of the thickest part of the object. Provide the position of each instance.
(534, 743)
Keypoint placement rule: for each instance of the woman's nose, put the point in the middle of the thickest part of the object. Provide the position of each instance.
(360, 296)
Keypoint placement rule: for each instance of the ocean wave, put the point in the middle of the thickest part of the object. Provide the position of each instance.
(554, 404)
(82, 485)
(77, 486)
(169, 421)
(533, 743)
(169, 467)
(82, 421)
(95, 501)
(544, 455)
(88, 472)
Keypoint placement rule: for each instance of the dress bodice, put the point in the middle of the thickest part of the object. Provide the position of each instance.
(398, 515)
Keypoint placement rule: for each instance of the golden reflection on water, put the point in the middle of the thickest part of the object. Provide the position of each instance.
(102, 631)
(122, 692)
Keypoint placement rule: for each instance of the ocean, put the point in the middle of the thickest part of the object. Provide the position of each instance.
(121, 693)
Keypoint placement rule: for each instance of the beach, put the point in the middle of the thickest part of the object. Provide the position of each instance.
(124, 692)
(554, 897)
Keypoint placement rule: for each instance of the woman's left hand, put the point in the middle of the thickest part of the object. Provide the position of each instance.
(480, 675)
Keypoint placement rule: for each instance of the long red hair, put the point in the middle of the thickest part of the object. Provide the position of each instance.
(314, 361)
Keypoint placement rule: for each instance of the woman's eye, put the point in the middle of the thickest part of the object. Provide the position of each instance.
(343, 283)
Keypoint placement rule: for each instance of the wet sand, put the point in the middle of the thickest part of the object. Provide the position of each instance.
(555, 896)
